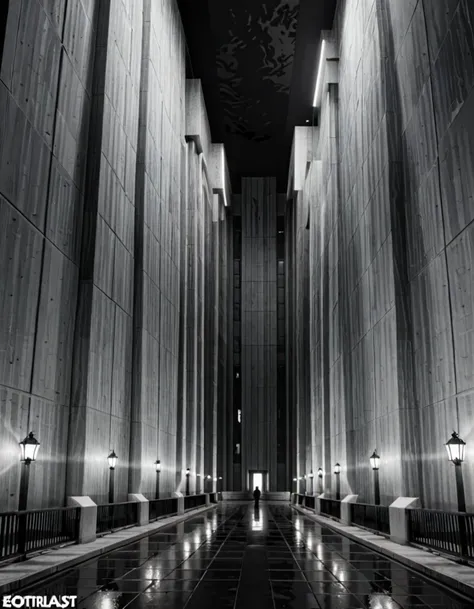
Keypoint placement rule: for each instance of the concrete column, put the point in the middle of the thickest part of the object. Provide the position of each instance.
(88, 518)
(143, 508)
(346, 508)
(398, 518)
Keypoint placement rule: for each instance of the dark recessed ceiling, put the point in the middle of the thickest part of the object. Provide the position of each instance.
(257, 63)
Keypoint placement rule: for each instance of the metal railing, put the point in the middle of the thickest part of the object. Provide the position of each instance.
(158, 508)
(299, 499)
(113, 516)
(34, 530)
(213, 497)
(449, 532)
(374, 517)
(194, 501)
(331, 507)
(309, 502)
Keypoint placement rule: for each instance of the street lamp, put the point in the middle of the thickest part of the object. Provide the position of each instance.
(112, 459)
(456, 452)
(158, 471)
(337, 471)
(375, 463)
(188, 473)
(320, 477)
(29, 449)
(295, 480)
(311, 476)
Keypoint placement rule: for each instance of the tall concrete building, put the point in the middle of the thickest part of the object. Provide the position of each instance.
(237, 251)
(237, 239)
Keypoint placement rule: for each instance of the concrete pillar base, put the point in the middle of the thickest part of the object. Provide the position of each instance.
(143, 508)
(180, 498)
(317, 503)
(398, 518)
(88, 518)
(346, 508)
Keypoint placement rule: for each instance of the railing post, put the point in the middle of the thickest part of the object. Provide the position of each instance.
(399, 518)
(317, 503)
(346, 517)
(87, 518)
(143, 508)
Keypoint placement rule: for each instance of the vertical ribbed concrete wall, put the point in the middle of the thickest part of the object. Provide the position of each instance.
(259, 328)
(102, 374)
(157, 251)
(391, 251)
(96, 182)
(45, 96)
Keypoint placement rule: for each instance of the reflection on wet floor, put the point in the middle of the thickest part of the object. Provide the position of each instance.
(237, 557)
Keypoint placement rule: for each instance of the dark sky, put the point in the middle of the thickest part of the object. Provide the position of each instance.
(257, 63)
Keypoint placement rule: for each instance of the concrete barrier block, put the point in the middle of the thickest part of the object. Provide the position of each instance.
(317, 503)
(88, 518)
(346, 508)
(143, 508)
(180, 498)
(398, 518)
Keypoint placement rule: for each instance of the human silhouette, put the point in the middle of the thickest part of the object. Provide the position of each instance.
(256, 496)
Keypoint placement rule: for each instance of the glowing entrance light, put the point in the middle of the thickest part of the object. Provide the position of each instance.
(319, 78)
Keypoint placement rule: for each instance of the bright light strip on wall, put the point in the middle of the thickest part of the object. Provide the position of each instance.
(320, 74)
(223, 177)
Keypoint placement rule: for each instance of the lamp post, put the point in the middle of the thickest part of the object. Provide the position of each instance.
(320, 478)
(456, 452)
(209, 483)
(375, 463)
(158, 471)
(112, 459)
(188, 473)
(221, 486)
(337, 471)
(29, 449)
(311, 478)
(295, 480)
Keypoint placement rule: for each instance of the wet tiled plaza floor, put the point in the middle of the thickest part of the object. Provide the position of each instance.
(238, 558)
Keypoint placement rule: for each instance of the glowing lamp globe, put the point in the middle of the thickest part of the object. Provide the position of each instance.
(456, 449)
(374, 460)
(112, 459)
(29, 448)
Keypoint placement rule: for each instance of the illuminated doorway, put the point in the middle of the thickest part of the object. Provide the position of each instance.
(258, 478)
